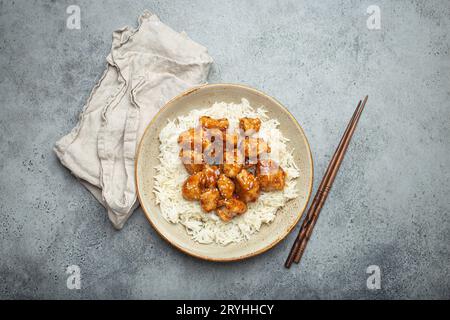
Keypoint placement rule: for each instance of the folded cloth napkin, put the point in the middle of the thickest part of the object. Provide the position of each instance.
(145, 68)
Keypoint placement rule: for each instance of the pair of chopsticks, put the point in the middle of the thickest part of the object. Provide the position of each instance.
(322, 192)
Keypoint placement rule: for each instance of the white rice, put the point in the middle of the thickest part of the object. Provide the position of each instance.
(207, 227)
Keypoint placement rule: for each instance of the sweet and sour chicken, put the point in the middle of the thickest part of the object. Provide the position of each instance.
(247, 186)
(209, 199)
(210, 123)
(229, 208)
(226, 186)
(270, 175)
(228, 169)
(250, 124)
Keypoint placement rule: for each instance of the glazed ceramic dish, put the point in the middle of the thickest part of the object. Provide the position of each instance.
(147, 159)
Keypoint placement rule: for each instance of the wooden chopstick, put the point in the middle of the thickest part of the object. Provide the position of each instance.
(330, 179)
(322, 192)
(313, 207)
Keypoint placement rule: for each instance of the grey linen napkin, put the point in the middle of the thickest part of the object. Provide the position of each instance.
(146, 67)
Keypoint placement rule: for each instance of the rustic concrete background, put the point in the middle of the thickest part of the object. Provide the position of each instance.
(390, 203)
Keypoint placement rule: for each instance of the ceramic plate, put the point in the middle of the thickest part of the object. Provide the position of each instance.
(147, 159)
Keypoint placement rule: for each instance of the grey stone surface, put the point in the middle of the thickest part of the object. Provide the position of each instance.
(389, 205)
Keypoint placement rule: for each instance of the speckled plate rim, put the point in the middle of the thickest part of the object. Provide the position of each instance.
(276, 241)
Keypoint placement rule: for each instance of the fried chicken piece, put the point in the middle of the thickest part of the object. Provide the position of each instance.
(226, 186)
(224, 214)
(192, 160)
(211, 174)
(233, 163)
(231, 169)
(254, 147)
(210, 123)
(250, 124)
(213, 146)
(209, 199)
(233, 205)
(195, 139)
(270, 175)
(247, 186)
(193, 186)
(229, 208)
